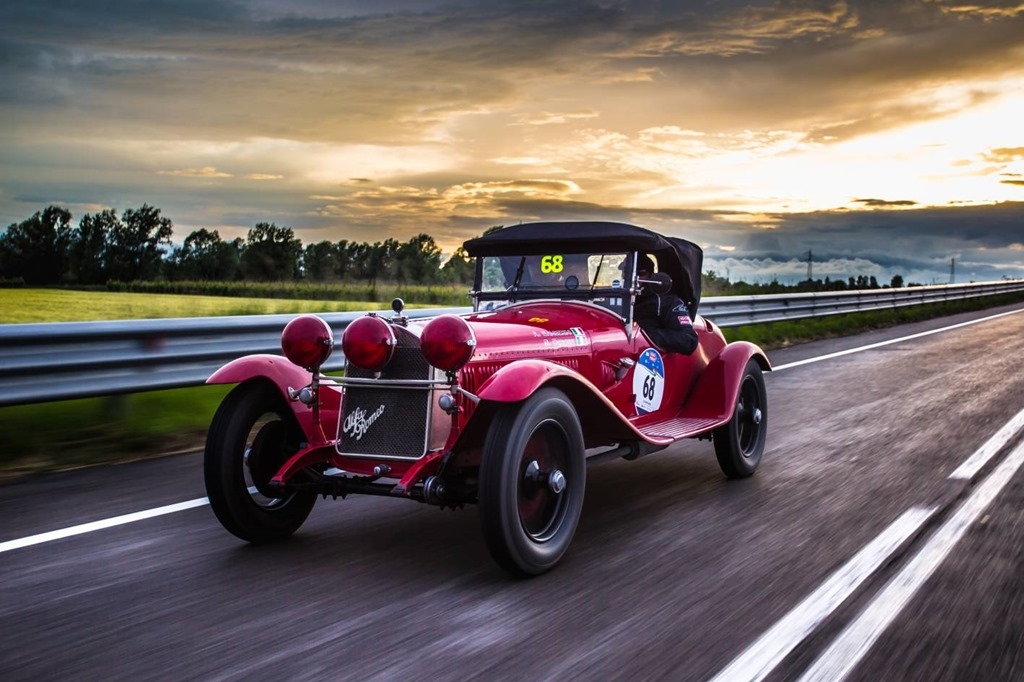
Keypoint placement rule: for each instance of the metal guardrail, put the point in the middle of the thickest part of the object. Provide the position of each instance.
(733, 311)
(63, 360)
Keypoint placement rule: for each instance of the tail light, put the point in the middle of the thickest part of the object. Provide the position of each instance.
(368, 343)
(307, 341)
(448, 342)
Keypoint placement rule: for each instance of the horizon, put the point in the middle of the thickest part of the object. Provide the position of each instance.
(883, 136)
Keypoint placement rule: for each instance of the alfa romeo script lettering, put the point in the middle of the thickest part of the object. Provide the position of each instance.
(357, 423)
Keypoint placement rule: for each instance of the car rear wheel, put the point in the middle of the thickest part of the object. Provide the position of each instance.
(740, 443)
(532, 479)
(252, 434)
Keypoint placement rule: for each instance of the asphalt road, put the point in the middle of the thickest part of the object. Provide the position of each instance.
(860, 549)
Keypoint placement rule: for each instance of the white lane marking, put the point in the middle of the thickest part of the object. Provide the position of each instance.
(855, 641)
(975, 462)
(850, 351)
(761, 657)
(100, 525)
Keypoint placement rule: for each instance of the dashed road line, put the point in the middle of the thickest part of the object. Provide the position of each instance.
(857, 639)
(980, 458)
(761, 657)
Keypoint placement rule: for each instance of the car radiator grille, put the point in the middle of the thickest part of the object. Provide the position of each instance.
(387, 421)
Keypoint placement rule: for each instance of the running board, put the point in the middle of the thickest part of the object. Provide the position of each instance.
(678, 428)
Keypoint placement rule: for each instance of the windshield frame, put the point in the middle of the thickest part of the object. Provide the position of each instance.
(618, 300)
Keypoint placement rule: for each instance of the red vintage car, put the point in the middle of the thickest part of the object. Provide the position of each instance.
(502, 407)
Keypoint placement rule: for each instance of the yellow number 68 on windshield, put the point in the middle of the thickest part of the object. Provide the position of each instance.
(550, 264)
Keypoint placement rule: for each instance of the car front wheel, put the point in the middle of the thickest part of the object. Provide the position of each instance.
(740, 442)
(532, 479)
(252, 434)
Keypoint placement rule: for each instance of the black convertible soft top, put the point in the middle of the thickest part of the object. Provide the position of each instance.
(681, 259)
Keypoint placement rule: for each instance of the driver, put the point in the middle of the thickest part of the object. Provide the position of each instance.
(663, 317)
(533, 276)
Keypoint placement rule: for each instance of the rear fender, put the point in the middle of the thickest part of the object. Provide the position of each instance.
(714, 396)
(284, 375)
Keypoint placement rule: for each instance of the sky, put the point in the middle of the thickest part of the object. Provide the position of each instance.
(882, 137)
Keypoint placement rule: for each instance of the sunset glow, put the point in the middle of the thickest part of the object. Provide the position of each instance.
(761, 130)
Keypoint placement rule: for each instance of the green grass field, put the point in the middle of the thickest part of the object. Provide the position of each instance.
(64, 305)
(72, 433)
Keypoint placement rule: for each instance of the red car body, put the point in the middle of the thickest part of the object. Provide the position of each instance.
(501, 407)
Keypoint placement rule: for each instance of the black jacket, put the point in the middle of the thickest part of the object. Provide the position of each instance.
(666, 321)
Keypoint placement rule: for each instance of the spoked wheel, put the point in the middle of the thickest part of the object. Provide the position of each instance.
(252, 434)
(740, 443)
(532, 479)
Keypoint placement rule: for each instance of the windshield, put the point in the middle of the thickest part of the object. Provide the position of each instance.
(596, 277)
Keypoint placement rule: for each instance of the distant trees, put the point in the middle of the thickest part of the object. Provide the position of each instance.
(713, 284)
(46, 249)
(418, 260)
(36, 250)
(271, 253)
(321, 261)
(206, 257)
(130, 247)
(136, 243)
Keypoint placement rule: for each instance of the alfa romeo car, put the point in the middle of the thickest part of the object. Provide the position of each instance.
(501, 408)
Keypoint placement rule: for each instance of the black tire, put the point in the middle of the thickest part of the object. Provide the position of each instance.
(527, 525)
(740, 443)
(252, 434)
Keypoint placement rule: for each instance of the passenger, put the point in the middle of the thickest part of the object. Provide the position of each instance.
(663, 317)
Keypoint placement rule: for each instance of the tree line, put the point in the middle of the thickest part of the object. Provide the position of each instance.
(136, 246)
(46, 249)
(713, 284)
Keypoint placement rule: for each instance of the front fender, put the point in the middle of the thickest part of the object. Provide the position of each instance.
(517, 381)
(274, 367)
(285, 375)
(714, 396)
(521, 379)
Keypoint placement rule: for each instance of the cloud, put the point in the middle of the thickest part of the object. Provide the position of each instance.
(204, 172)
(992, 10)
(550, 118)
(1005, 155)
(356, 119)
(883, 203)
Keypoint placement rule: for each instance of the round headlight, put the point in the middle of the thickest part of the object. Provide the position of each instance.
(368, 343)
(448, 342)
(307, 341)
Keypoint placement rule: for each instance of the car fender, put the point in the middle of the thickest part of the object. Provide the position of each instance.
(285, 375)
(518, 380)
(274, 367)
(714, 396)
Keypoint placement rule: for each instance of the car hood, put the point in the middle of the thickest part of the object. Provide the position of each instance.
(538, 329)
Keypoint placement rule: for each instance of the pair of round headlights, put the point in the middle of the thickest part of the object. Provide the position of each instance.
(369, 342)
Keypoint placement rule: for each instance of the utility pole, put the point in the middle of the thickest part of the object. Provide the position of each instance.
(810, 265)
(952, 270)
